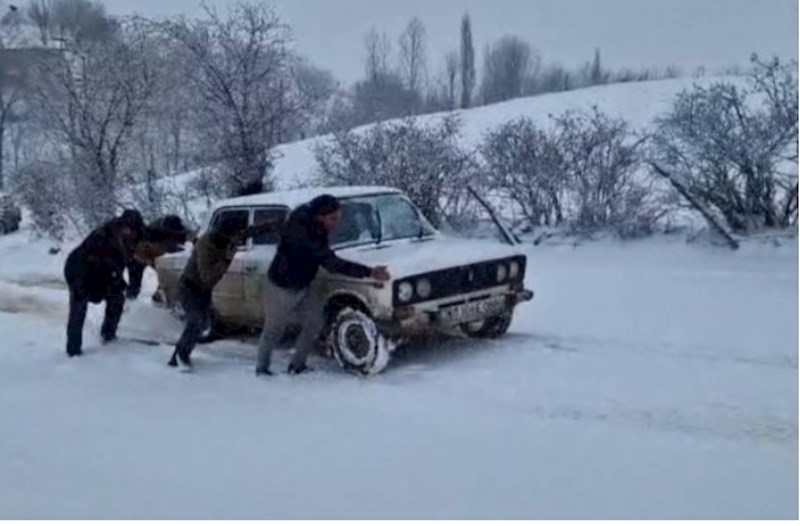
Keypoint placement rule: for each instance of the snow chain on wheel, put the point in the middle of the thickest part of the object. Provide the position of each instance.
(493, 327)
(357, 344)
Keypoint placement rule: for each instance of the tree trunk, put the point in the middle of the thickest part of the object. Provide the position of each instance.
(2, 155)
(790, 208)
(697, 205)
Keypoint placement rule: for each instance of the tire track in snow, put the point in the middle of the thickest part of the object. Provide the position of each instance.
(664, 350)
(27, 299)
(712, 420)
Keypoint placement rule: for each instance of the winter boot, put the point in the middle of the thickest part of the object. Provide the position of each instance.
(299, 369)
(184, 363)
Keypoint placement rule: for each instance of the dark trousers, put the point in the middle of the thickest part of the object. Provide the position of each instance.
(135, 274)
(78, 305)
(197, 306)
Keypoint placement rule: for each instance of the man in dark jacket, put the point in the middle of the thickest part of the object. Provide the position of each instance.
(302, 249)
(94, 273)
(165, 235)
(212, 255)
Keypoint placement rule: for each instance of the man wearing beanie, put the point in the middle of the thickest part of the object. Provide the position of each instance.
(211, 256)
(302, 249)
(94, 273)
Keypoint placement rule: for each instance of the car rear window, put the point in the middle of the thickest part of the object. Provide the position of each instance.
(240, 215)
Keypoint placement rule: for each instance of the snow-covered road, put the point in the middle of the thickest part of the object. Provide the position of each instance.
(647, 380)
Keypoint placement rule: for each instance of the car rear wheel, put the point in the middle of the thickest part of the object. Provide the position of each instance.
(357, 343)
(492, 327)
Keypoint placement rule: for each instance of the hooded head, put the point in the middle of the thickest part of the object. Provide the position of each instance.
(131, 223)
(326, 211)
(173, 223)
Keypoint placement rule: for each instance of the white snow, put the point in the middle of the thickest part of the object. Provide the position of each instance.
(655, 379)
(647, 380)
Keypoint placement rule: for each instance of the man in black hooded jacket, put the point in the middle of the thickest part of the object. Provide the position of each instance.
(302, 249)
(94, 273)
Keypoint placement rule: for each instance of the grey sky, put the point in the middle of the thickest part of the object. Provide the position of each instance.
(629, 33)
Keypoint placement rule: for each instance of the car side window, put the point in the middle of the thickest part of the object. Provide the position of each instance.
(268, 215)
(240, 215)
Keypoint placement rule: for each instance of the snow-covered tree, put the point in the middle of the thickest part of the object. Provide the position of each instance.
(734, 146)
(581, 172)
(90, 95)
(423, 159)
(242, 75)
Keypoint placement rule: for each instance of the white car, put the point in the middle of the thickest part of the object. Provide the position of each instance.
(438, 282)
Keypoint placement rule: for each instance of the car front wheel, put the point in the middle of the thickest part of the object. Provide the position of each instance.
(357, 343)
(492, 327)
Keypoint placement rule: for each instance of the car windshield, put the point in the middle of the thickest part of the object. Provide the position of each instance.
(376, 218)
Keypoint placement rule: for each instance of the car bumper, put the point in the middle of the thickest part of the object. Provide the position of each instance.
(451, 312)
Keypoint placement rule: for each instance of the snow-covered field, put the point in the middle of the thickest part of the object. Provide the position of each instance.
(647, 380)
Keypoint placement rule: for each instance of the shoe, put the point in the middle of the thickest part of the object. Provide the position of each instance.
(299, 369)
(73, 354)
(108, 338)
(173, 361)
(184, 363)
(263, 371)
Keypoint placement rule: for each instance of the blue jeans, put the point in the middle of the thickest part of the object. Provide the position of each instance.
(198, 308)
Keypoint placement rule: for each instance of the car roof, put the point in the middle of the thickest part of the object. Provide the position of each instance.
(296, 197)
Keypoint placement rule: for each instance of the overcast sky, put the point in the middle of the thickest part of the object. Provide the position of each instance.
(629, 33)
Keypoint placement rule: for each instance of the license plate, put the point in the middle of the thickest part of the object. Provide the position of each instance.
(472, 311)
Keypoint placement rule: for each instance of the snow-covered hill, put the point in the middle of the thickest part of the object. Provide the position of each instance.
(639, 103)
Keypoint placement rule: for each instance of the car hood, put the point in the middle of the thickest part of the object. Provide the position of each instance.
(412, 257)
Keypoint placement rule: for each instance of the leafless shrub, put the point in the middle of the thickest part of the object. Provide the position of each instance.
(583, 172)
(735, 147)
(425, 161)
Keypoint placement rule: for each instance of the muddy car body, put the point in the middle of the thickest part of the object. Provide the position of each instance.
(438, 282)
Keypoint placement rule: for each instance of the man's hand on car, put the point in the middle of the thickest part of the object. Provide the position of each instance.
(380, 273)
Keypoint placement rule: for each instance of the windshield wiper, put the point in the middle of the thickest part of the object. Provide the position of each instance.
(380, 227)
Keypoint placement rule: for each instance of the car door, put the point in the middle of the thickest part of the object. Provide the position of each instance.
(257, 260)
(229, 292)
